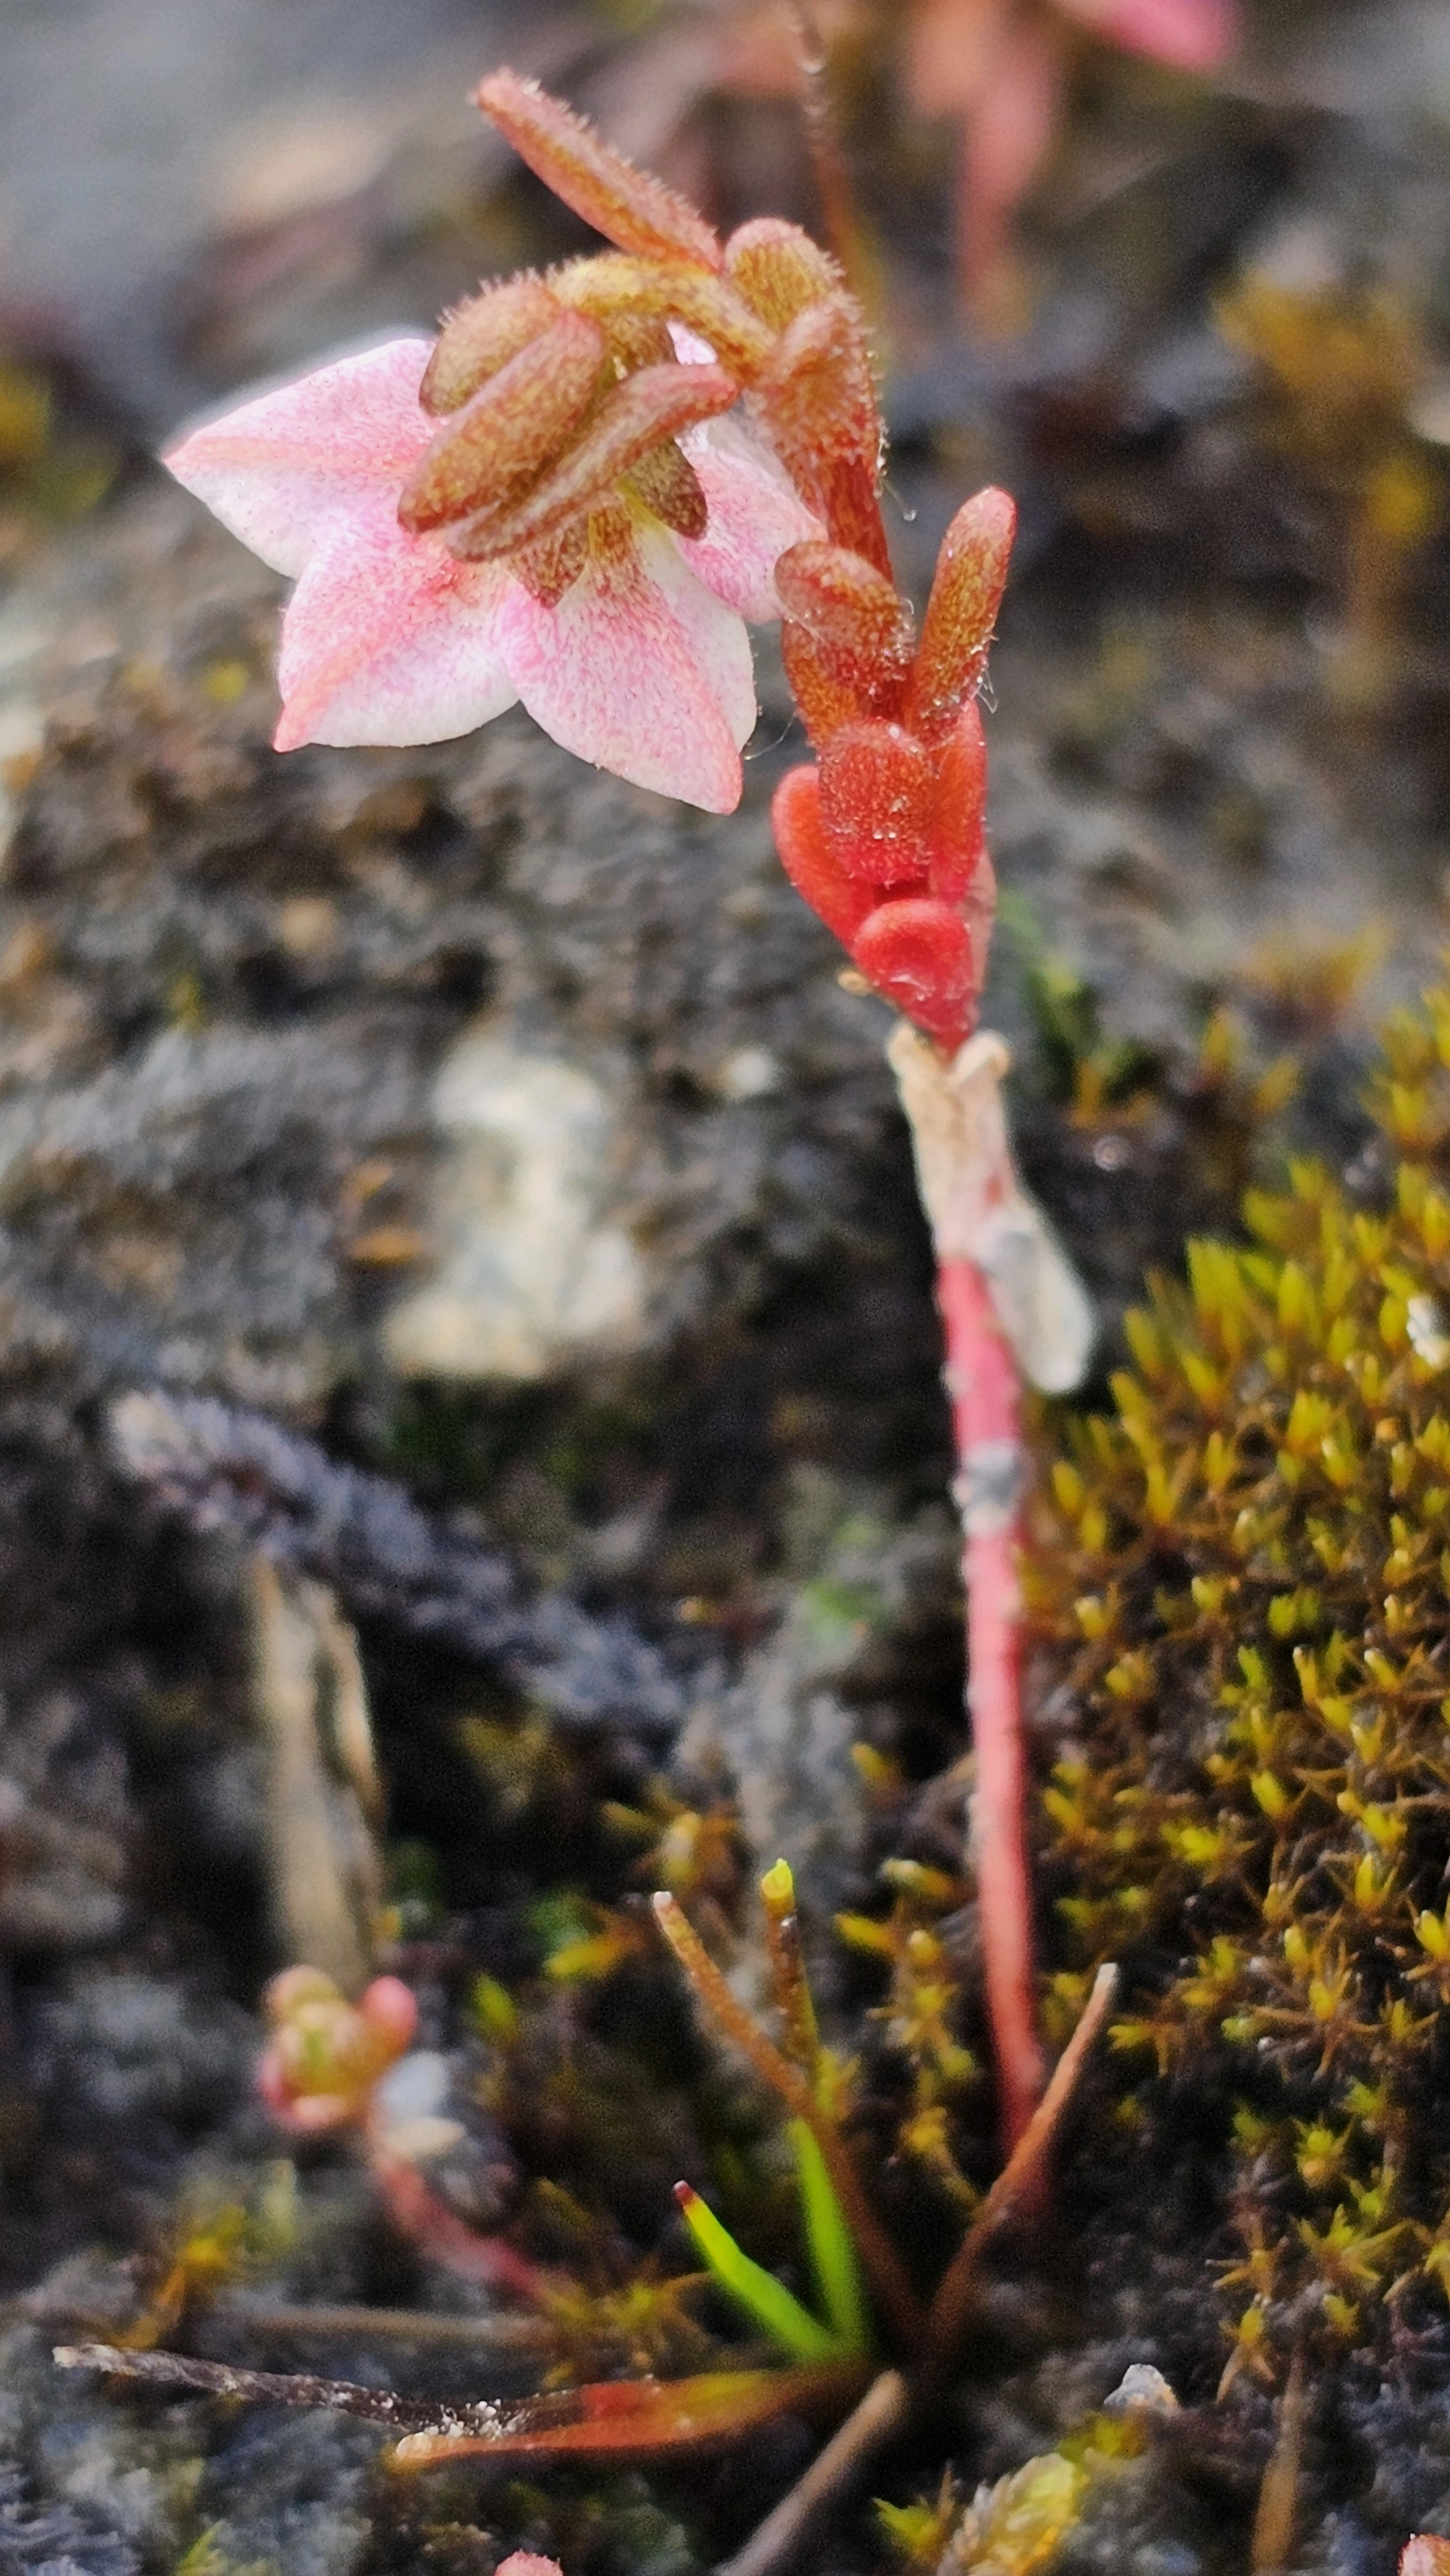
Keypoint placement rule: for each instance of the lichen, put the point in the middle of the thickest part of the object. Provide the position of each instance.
(1242, 1582)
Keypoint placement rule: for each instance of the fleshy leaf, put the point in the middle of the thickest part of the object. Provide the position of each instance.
(876, 800)
(810, 861)
(918, 953)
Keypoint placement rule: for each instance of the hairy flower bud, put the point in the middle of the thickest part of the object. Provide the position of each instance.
(918, 954)
(876, 800)
(482, 336)
(602, 185)
(617, 292)
(971, 575)
(635, 417)
(509, 429)
(809, 859)
(779, 269)
(845, 603)
(958, 807)
(817, 405)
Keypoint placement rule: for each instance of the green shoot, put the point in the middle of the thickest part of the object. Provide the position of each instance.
(766, 2301)
(830, 2244)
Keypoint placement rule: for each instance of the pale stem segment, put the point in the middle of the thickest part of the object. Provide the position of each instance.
(1011, 1306)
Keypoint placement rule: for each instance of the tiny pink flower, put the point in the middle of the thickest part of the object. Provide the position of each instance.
(641, 666)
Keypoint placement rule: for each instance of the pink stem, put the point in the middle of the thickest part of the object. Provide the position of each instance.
(982, 1381)
(428, 2222)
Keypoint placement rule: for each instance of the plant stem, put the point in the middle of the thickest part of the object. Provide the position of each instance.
(881, 2413)
(982, 1381)
(879, 2258)
(1014, 2186)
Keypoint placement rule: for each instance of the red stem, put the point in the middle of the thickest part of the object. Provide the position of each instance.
(982, 1381)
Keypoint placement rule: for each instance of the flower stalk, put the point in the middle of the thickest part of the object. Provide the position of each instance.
(575, 497)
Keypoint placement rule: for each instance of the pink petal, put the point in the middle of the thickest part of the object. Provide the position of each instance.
(1193, 35)
(388, 639)
(716, 636)
(755, 513)
(283, 469)
(1009, 135)
(640, 670)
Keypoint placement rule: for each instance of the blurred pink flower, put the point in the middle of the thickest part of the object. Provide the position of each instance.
(642, 665)
(998, 67)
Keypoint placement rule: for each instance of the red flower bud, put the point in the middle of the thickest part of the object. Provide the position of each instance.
(876, 800)
(971, 575)
(958, 805)
(812, 865)
(918, 954)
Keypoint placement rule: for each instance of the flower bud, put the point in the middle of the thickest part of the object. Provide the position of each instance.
(482, 336)
(817, 405)
(971, 575)
(779, 270)
(602, 185)
(958, 807)
(848, 606)
(825, 688)
(918, 954)
(613, 290)
(809, 860)
(509, 429)
(633, 418)
(876, 801)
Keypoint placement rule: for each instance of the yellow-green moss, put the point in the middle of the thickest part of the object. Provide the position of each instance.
(1244, 1576)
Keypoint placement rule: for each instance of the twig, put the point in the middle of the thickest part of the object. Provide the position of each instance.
(509, 2333)
(878, 2255)
(881, 2413)
(283, 2388)
(1279, 2493)
(952, 2306)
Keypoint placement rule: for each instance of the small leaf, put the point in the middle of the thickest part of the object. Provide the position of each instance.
(765, 2299)
(830, 2244)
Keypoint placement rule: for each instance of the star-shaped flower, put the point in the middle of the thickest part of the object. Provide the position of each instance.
(640, 662)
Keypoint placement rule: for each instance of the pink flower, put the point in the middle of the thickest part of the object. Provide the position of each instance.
(642, 665)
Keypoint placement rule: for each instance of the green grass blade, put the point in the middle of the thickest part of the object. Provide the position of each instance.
(830, 2244)
(766, 2301)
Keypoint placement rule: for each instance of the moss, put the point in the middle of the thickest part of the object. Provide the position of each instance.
(1243, 1581)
